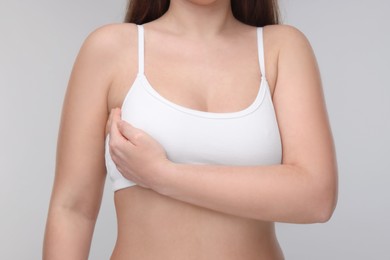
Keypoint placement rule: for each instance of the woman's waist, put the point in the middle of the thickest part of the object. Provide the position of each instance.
(143, 214)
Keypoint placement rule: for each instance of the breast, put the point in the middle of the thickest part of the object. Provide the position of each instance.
(247, 137)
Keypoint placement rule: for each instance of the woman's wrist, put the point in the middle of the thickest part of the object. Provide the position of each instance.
(163, 176)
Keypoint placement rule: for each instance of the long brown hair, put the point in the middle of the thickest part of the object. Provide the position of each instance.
(251, 12)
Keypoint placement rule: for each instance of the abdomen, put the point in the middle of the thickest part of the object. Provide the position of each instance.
(153, 226)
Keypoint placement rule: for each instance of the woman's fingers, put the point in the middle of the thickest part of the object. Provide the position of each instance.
(121, 131)
(116, 114)
(109, 121)
(110, 118)
(130, 132)
(116, 138)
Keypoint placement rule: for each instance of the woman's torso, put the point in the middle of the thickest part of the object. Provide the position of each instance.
(152, 226)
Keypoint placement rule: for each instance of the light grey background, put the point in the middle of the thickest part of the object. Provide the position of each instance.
(39, 41)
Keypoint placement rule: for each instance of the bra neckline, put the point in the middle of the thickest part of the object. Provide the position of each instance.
(194, 112)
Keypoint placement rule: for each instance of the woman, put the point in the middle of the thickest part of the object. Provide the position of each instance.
(222, 131)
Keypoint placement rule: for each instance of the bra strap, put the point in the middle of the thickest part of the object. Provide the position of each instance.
(140, 49)
(260, 50)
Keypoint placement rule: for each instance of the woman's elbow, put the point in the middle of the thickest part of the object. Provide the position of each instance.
(325, 214)
(325, 204)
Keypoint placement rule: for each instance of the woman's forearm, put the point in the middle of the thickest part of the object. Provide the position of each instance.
(282, 193)
(68, 235)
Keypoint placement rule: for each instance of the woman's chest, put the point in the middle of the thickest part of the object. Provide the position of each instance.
(247, 137)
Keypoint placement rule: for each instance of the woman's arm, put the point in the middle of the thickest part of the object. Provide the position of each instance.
(303, 189)
(80, 169)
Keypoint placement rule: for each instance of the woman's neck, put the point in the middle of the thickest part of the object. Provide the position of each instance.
(199, 18)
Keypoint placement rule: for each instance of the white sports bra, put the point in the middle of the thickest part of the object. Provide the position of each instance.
(246, 137)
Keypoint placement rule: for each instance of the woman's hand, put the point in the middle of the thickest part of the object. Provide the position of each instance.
(138, 156)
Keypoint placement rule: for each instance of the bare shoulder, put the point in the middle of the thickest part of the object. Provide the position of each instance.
(278, 40)
(110, 39)
(286, 38)
(111, 33)
(111, 51)
(284, 30)
(294, 52)
(285, 35)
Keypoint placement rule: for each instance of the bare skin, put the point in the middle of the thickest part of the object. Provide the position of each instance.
(190, 217)
(153, 226)
(168, 228)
